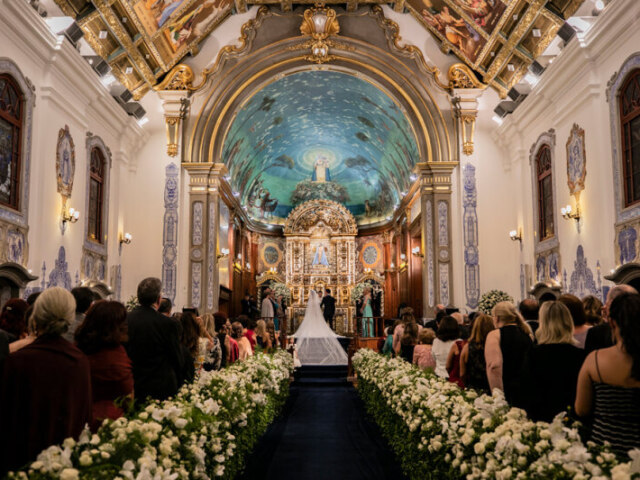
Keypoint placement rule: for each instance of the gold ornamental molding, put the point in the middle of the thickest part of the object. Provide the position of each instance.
(461, 76)
(179, 78)
(319, 23)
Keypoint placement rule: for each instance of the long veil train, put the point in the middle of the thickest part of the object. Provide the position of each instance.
(316, 343)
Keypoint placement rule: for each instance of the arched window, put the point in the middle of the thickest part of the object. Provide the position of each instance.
(545, 192)
(96, 195)
(630, 126)
(11, 126)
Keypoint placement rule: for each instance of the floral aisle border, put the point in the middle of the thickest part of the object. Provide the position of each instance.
(204, 432)
(440, 431)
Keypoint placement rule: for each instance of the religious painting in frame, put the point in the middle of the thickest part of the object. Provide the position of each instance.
(65, 162)
(485, 14)
(576, 161)
(195, 22)
(153, 14)
(320, 254)
(448, 25)
(270, 255)
(370, 255)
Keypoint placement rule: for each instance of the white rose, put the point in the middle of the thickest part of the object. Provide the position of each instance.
(69, 474)
(85, 459)
(479, 448)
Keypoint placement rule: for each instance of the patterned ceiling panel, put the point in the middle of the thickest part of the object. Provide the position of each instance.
(320, 134)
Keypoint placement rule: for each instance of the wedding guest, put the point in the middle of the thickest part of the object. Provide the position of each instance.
(46, 394)
(234, 348)
(600, 336)
(220, 320)
(473, 367)
(271, 330)
(609, 381)
(448, 332)
(453, 358)
(592, 309)
(245, 304)
(154, 345)
(505, 351)
(367, 313)
(387, 348)
(165, 306)
(190, 343)
(398, 331)
(249, 326)
(31, 299)
(267, 312)
(263, 340)
(580, 326)
(12, 319)
(282, 313)
(552, 366)
(84, 298)
(238, 333)
(100, 337)
(409, 341)
(209, 346)
(529, 309)
(31, 334)
(422, 356)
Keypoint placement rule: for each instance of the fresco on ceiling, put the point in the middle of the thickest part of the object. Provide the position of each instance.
(320, 134)
(449, 24)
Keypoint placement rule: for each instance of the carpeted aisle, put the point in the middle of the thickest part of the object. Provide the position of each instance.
(323, 433)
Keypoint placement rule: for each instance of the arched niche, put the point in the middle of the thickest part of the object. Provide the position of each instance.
(13, 279)
(628, 274)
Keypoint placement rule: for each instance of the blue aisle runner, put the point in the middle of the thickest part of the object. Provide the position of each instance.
(323, 433)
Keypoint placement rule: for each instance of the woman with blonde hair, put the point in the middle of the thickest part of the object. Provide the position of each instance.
(473, 367)
(210, 349)
(46, 384)
(505, 351)
(263, 338)
(552, 366)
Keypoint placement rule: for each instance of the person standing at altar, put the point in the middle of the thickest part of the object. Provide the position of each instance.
(267, 306)
(367, 314)
(328, 305)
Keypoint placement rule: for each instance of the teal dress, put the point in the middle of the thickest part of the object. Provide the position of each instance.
(367, 319)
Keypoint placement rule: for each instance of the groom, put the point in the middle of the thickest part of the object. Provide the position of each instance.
(328, 305)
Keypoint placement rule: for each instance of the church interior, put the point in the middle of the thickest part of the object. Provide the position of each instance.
(405, 157)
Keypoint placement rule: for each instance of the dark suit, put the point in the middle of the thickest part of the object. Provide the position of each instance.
(154, 350)
(329, 310)
(598, 337)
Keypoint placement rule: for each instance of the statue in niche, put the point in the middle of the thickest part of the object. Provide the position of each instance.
(321, 171)
(320, 257)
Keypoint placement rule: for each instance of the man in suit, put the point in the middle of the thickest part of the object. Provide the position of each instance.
(529, 308)
(154, 345)
(600, 336)
(328, 305)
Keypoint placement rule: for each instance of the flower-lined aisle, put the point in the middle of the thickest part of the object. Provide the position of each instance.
(205, 431)
(440, 431)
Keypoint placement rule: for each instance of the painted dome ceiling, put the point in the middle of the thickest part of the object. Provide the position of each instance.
(320, 134)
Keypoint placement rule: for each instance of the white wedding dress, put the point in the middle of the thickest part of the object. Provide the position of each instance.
(316, 343)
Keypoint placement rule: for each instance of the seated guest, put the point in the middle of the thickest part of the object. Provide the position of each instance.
(235, 349)
(551, 369)
(580, 326)
(46, 394)
(600, 336)
(249, 326)
(31, 334)
(154, 345)
(387, 348)
(448, 332)
(84, 299)
(398, 331)
(409, 341)
(609, 381)
(238, 332)
(453, 358)
(190, 342)
(422, 356)
(505, 351)
(210, 347)
(100, 337)
(12, 319)
(263, 340)
(220, 320)
(271, 330)
(529, 308)
(592, 309)
(165, 307)
(473, 367)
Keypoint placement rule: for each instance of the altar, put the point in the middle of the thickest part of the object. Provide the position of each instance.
(320, 254)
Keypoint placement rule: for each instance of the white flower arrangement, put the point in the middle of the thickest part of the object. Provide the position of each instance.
(491, 298)
(358, 291)
(200, 433)
(460, 434)
(281, 289)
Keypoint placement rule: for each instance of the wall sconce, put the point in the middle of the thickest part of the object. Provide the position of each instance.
(392, 268)
(403, 257)
(273, 270)
(515, 235)
(248, 267)
(416, 252)
(68, 216)
(367, 270)
(568, 213)
(125, 238)
(224, 252)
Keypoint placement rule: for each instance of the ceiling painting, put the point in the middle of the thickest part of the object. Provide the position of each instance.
(320, 134)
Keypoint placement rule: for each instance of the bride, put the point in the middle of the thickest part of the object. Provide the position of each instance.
(316, 343)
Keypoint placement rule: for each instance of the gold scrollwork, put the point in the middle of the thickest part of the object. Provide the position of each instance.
(319, 23)
(179, 78)
(461, 76)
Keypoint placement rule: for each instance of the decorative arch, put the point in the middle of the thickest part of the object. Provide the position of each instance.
(305, 218)
(14, 220)
(94, 251)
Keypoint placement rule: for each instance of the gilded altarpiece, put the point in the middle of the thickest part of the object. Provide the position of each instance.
(321, 253)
